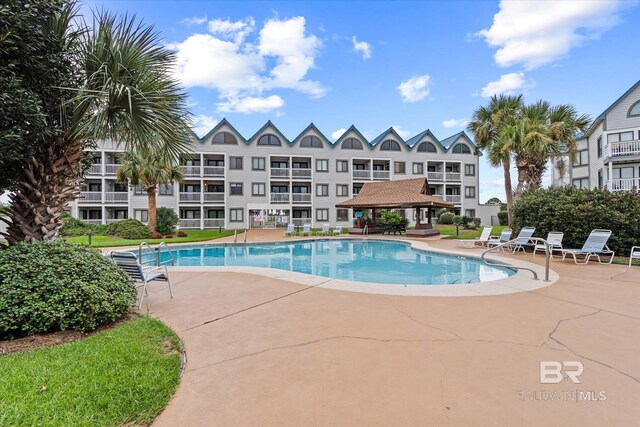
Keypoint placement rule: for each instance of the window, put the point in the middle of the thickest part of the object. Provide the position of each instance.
(224, 138)
(461, 149)
(469, 170)
(599, 144)
(120, 188)
(322, 190)
(257, 189)
(190, 213)
(311, 141)
(623, 173)
(399, 167)
(342, 166)
(600, 180)
(235, 162)
(322, 214)
(469, 192)
(418, 168)
(390, 145)
(137, 190)
(352, 144)
(426, 147)
(258, 163)
(581, 182)
(235, 189)
(342, 214)
(582, 158)
(269, 139)
(190, 188)
(470, 212)
(165, 189)
(620, 137)
(215, 214)
(141, 215)
(322, 165)
(356, 190)
(236, 215)
(342, 190)
(634, 110)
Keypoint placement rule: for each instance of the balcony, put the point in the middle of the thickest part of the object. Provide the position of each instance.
(435, 176)
(95, 169)
(361, 174)
(625, 184)
(451, 198)
(111, 168)
(190, 223)
(453, 176)
(191, 170)
(112, 220)
(92, 221)
(116, 197)
(214, 223)
(280, 172)
(190, 197)
(301, 198)
(300, 173)
(213, 171)
(621, 149)
(214, 197)
(381, 174)
(280, 198)
(299, 222)
(90, 197)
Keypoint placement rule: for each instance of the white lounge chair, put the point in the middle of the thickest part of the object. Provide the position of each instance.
(480, 241)
(291, 230)
(324, 231)
(521, 241)
(635, 254)
(141, 275)
(594, 246)
(337, 230)
(554, 239)
(504, 237)
(306, 230)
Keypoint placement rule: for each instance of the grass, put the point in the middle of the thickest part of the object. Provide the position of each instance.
(102, 241)
(449, 231)
(124, 375)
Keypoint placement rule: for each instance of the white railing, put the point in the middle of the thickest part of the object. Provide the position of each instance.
(112, 220)
(452, 198)
(280, 172)
(627, 184)
(213, 222)
(93, 221)
(191, 170)
(213, 171)
(301, 198)
(189, 197)
(190, 223)
(214, 197)
(362, 174)
(435, 176)
(280, 198)
(453, 176)
(116, 196)
(95, 169)
(299, 222)
(626, 148)
(300, 173)
(90, 197)
(381, 174)
(111, 168)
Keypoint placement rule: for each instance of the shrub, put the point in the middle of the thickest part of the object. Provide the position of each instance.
(441, 212)
(76, 227)
(182, 234)
(446, 218)
(129, 229)
(503, 217)
(169, 236)
(167, 220)
(392, 221)
(457, 220)
(155, 235)
(50, 286)
(476, 221)
(578, 211)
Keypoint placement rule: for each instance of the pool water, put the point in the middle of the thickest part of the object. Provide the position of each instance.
(348, 259)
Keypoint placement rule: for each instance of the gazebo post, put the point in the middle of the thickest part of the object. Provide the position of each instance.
(429, 215)
(418, 217)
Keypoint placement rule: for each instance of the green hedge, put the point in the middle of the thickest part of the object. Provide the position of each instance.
(51, 286)
(75, 227)
(167, 220)
(446, 218)
(578, 211)
(129, 229)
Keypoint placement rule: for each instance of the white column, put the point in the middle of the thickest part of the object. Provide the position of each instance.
(201, 217)
(103, 158)
(201, 164)
(104, 214)
(610, 177)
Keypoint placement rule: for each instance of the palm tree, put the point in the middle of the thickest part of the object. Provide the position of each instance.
(119, 88)
(148, 171)
(487, 126)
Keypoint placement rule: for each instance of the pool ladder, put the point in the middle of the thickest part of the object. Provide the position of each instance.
(534, 239)
(235, 236)
(365, 230)
(155, 254)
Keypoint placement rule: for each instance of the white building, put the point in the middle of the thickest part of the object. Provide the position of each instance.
(268, 180)
(609, 153)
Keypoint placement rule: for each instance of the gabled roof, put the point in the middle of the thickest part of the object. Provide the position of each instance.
(356, 131)
(275, 130)
(384, 134)
(307, 129)
(217, 127)
(448, 143)
(411, 142)
(603, 115)
(405, 193)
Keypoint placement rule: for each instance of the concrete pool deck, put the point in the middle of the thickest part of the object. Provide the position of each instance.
(266, 351)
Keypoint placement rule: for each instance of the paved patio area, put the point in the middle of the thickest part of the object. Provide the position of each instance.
(264, 351)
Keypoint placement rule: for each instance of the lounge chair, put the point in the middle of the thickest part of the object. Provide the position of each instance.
(504, 237)
(141, 275)
(554, 239)
(635, 254)
(594, 246)
(306, 230)
(480, 241)
(291, 230)
(324, 231)
(521, 241)
(337, 230)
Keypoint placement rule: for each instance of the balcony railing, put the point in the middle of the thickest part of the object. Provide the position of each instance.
(299, 222)
(116, 197)
(301, 198)
(112, 220)
(190, 197)
(435, 176)
(190, 223)
(213, 222)
(213, 171)
(619, 149)
(95, 169)
(191, 170)
(453, 176)
(452, 198)
(280, 172)
(381, 174)
(300, 173)
(214, 197)
(361, 174)
(280, 198)
(93, 221)
(90, 197)
(625, 184)
(111, 168)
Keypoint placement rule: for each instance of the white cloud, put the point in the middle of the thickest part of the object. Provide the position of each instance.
(250, 104)
(508, 84)
(233, 31)
(362, 47)
(194, 20)
(534, 33)
(338, 133)
(415, 89)
(202, 124)
(455, 123)
(404, 134)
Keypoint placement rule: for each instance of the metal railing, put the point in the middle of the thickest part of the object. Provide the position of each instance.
(116, 196)
(365, 230)
(235, 236)
(213, 222)
(190, 223)
(214, 197)
(511, 242)
(280, 198)
(144, 247)
(362, 174)
(213, 170)
(280, 172)
(435, 176)
(624, 184)
(90, 196)
(191, 170)
(246, 232)
(189, 197)
(453, 176)
(301, 173)
(453, 198)
(110, 169)
(164, 245)
(301, 198)
(95, 169)
(381, 174)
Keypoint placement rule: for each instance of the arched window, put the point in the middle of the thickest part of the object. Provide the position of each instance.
(352, 144)
(224, 138)
(390, 145)
(634, 110)
(461, 149)
(427, 147)
(311, 141)
(269, 139)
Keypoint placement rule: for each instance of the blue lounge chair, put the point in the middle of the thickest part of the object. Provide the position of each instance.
(324, 231)
(505, 236)
(594, 246)
(291, 230)
(141, 275)
(306, 230)
(521, 241)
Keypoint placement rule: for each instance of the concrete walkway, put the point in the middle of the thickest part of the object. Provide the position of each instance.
(262, 351)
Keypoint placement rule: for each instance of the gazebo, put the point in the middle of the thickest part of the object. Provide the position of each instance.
(400, 194)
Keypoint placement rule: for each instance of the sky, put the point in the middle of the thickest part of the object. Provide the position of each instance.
(411, 65)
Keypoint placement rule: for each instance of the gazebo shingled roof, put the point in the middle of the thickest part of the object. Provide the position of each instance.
(406, 193)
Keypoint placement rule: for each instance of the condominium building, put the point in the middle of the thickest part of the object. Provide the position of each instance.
(609, 153)
(268, 180)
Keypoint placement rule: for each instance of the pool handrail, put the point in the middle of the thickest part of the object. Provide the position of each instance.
(535, 275)
(244, 240)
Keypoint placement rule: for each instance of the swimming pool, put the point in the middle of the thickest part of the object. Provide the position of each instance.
(375, 261)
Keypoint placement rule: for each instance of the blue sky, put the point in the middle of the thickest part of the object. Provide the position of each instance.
(413, 65)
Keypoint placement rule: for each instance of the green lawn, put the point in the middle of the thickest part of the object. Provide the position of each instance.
(100, 241)
(449, 231)
(125, 375)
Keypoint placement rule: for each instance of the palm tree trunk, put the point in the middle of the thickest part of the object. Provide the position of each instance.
(506, 166)
(153, 211)
(523, 172)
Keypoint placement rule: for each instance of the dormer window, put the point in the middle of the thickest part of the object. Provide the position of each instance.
(427, 147)
(224, 138)
(269, 139)
(634, 110)
(311, 141)
(352, 144)
(390, 145)
(461, 149)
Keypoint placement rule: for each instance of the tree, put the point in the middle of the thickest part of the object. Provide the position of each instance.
(148, 170)
(111, 81)
(494, 201)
